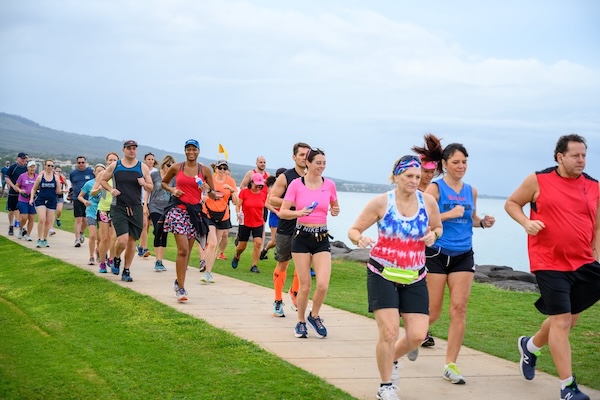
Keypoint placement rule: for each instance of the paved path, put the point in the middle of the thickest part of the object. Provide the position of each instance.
(345, 358)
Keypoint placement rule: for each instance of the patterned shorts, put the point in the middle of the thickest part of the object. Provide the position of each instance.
(177, 221)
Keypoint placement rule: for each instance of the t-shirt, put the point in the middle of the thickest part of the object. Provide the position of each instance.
(92, 209)
(25, 183)
(4, 172)
(252, 207)
(14, 171)
(79, 178)
(302, 197)
(159, 197)
(567, 207)
(221, 204)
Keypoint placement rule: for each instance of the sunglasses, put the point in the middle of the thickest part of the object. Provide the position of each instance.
(223, 168)
(50, 165)
(168, 165)
(80, 162)
(260, 186)
(315, 150)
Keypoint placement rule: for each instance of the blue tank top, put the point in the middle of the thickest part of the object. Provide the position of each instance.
(125, 181)
(458, 232)
(47, 189)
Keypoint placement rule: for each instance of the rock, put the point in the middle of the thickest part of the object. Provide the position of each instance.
(510, 275)
(486, 269)
(517, 286)
(360, 255)
(482, 278)
(341, 245)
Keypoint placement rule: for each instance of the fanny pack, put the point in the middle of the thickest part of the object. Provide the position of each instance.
(216, 216)
(398, 275)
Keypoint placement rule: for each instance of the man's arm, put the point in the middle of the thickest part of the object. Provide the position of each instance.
(526, 193)
(246, 179)
(277, 191)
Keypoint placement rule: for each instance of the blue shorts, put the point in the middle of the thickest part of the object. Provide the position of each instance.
(273, 220)
(26, 208)
(48, 202)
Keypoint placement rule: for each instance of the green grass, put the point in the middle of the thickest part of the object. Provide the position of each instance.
(496, 318)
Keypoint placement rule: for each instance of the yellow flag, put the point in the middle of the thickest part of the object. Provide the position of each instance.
(223, 151)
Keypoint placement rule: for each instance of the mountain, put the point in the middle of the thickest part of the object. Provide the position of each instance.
(21, 134)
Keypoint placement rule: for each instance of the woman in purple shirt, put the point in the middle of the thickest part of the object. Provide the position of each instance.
(25, 182)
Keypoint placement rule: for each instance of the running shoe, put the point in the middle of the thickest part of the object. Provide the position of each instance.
(102, 268)
(40, 243)
(294, 298)
(77, 243)
(24, 231)
(254, 269)
(300, 330)
(202, 265)
(317, 324)
(278, 308)
(11, 231)
(98, 257)
(91, 261)
(181, 294)
(428, 342)
(571, 392)
(387, 392)
(81, 237)
(221, 256)
(452, 374)
(396, 373)
(413, 355)
(45, 241)
(207, 278)
(140, 250)
(115, 268)
(125, 276)
(29, 239)
(234, 262)
(528, 359)
(263, 255)
(51, 232)
(58, 222)
(159, 267)
(20, 234)
(146, 253)
(312, 272)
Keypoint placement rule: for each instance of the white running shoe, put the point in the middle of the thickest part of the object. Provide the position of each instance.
(207, 278)
(452, 374)
(387, 393)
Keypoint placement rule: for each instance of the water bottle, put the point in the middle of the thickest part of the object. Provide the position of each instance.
(199, 181)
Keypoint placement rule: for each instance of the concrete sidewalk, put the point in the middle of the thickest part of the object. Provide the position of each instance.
(346, 358)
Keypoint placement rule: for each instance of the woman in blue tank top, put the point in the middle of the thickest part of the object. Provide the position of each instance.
(450, 259)
(45, 201)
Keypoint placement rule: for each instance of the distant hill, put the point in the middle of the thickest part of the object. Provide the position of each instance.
(21, 134)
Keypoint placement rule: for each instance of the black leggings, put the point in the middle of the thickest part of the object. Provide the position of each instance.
(159, 240)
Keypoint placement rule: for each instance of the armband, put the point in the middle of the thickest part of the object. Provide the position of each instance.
(481, 224)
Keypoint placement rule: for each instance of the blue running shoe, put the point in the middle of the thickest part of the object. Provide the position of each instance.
(140, 251)
(115, 268)
(278, 309)
(102, 268)
(300, 330)
(58, 222)
(312, 272)
(528, 359)
(317, 324)
(254, 269)
(571, 392)
(234, 262)
(159, 267)
(125, 277)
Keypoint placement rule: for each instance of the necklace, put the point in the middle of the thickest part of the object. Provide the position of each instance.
(405, 210)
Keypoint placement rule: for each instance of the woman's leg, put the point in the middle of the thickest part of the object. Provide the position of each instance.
(49, 222)
(387, 323)
(257, 249)
(322, 266)
(459, 284)
(41, 212)
(210, 252)
(181, 262)
(302, 263)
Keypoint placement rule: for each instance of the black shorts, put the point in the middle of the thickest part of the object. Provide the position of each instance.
(12, 203)
(283, 247)
(244, 232)
(221, 225)
(49, 202)
(161, 239)
(413, 298)
(304, 242)
(438, 263)
(78, 209)
(568, 292)
(128, 220)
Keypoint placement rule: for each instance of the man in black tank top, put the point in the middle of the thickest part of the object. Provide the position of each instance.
(129, 176)
(285, 229)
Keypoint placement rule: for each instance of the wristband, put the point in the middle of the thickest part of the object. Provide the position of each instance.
(481, 224)
(437, 236)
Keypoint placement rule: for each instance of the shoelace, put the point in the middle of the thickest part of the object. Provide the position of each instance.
(319, 322)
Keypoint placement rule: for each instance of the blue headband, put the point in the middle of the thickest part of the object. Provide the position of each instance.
(405, 163)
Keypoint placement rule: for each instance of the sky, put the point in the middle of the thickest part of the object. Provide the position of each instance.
(364, 81)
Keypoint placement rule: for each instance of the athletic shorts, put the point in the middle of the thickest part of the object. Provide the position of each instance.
(244, 232)
(12, 203)
(60, 198)
(304, 242)
(283, 247)
(127, 220)
(159, 240)
(568, 292)
(78, 209)
(221, 225)
(91, 221)
(273, 220)
(26, 208)
(438, 263)
(48, 202)
(103, 216)
(265, 214)
(413, 298)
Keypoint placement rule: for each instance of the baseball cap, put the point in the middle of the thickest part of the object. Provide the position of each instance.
(130, 143)
(258, 179)
(221, 162)
(30, 163)
(192, 142)
(22, 155)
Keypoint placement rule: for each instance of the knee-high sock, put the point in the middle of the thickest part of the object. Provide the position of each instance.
(279, 283)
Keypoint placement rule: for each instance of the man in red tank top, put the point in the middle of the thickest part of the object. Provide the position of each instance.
(563, 243)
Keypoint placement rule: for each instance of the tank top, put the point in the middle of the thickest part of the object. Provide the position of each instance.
(287, 226)
(126, 181)
(458, 232)
(567, 206)
(47, 189)
(105, 198)
(398, 241)
(189, 187)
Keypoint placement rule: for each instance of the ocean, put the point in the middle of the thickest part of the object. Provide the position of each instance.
(503, 244)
